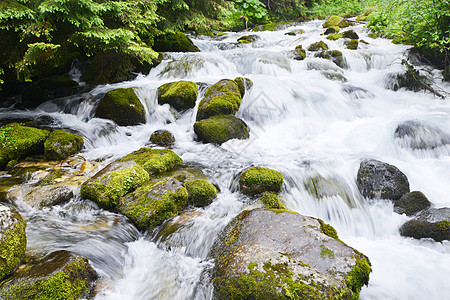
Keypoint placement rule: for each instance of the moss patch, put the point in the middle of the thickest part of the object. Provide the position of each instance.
(201, 192)
(244, 84)
(320, 45)
(154, 161)
(219, 129)
(352, 44)
(271, 200)
(358, 276)
(299, 53)
(174, 42)
(61, 144)
(162, 138)
(257, 180)
(180, 95)
(335, 21)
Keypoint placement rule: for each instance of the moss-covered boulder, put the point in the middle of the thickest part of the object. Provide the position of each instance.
(299, 53)
(181, 95)
(115, 180)
(416, 136)
(377, 179)
(163, 138)
(411, 203)
(320, 45)
(433, 223)
(222, 98)
(244, 84)
(154, 161)
(13, 239)
(333, 55)
(246, 39)
(18, 141)
(277, 254)
(256, 180)
(61, 275)
(57, 83)
(350, 34)
(122, 106)
(61, 144)
(325, 187)
(331, 29)
(352, 44)
(174, 42)
(219, 129)
(334, 36)
(271, 200)
(153, 203)
(201, 192)
(335, 21)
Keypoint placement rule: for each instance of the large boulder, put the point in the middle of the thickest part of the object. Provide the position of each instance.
(61, 144)
(222, 98)
(411, 203)
(18, 141)
(219, 129)
(122, 106)
(277, 254)
(59, 275)
(414, 135)
(154, 161)
(42, 195)
(256, 180)
(200, 192)
(151, 204)
(33, 96)
(57, 82)
(181, 95)
(174, 42)
(433, 223)
(163, 138)
(115, 180)
(335, 21)
(377, 179)
(13, 239)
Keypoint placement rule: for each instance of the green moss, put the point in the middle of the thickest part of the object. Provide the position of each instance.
(174, 42)
(334, 36)
(244, 84)
(227, 104)
(154, 161)
(326, 253)
(332, 29)
(219, 129)
(444, 225)
(180, 95)
(61, 144)
(50, 178)
(271, 200)
(333, 55)
(320, 45)
(201, 192)
(162, 138)
(328, 230)
(246, 39)
(225, 86)
(358, 276)
(335, 21)
(256, 180)
(300, 53)
(367, 12)
(334, 76)
(352, 44)
(350, 34)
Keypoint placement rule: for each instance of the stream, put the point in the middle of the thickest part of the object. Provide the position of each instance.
(302, 124)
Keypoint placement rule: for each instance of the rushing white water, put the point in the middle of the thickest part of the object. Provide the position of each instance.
(302, 124)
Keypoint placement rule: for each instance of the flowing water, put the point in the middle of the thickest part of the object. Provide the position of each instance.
(302, 124)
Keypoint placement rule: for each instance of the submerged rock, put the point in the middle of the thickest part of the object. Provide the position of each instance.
(42, 196)
(335, 21)
(13, 239)
(323, 187)
(411, 203)
(333, 55)
(61, 144)
(174, 42)
(320, 45)
(299, 53)
(350, 34)
(377, 179)
(163, 138)
(352, 44)
(433, 223)
(246, 39)
(154, 161)
(59, 275)
(256, 180)
(416, 136)
(122, 106)
(181, 95)
(201, 192)
(332, 29)
(334, 36)
(219, 129)
(276, 254)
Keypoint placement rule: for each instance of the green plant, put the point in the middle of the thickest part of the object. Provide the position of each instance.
(251, 10)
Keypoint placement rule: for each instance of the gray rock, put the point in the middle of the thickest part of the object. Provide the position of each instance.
(411, 203)
(433, 223)
(416, 136)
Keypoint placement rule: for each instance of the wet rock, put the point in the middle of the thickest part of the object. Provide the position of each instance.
(163, 138)
(154, 161)
(201, 193)
(414, 135)
(299, 53)
(322, 65)
(19, 141)
(350, 34)
(151, 204)
(295, 32)
(320, 45)
(246, 39)
(13, 240)
(256, 180)
(433, 223)
(42, 196)
(324, 187)
(352, 44)
(265, 254)
(61, 144)
(59, 275)
(411, 203)
(271, 200)
(115, 180)
(174, 42)
(222, 98)
(219, 129)
(57, 82)
(331, 29)
(333, 55)
(6, 183)
(355, 92)
(122, 106)
(34, 96)
(335, 21)
(244, 84)
(334, 76)
(181, 95)
(377, 179)
(334, 36)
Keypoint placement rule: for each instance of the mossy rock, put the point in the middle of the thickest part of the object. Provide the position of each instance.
(174, 42)
(335, 21)
(33, 96)
(352, 44)
(247, 39)
(299, 53)
(277, 254)
(13, 239)
(222, 98)
(334, 36)
(320, 45)
(153, 203)
(114, 181)
(350, 34)
(257, 180)
(18, 141)
(331, 29)
(163, 138)
(6, 183)
(271, 200)
(61, 275)
(244, 84)
(294, 33)
(181, 95)
(122, 106)
(201, 192)
(323, 187)
(333, 55)
(57, 82)
(61, 144)
(219, 129)
(154, 161)
(334, 76)
(411, 203)
(432, 223)
(365, 14)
